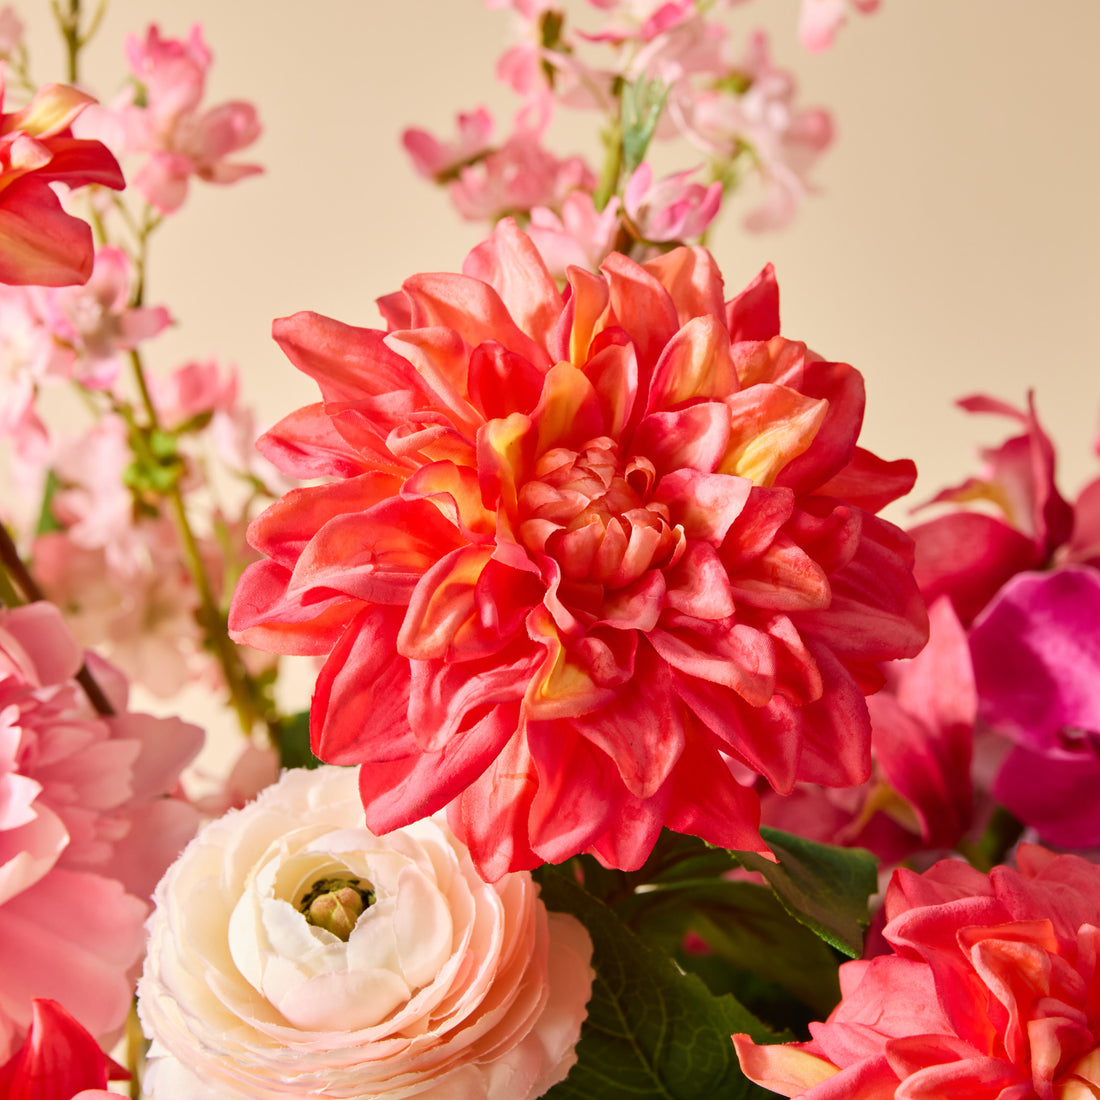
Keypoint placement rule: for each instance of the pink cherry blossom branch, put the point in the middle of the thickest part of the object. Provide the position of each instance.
(14, 573)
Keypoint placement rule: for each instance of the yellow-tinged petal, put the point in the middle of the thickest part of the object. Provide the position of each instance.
(568, 413)
(590, 311)
(502, 451)
(562, 687)
(52, 110)
(695, 363)
(782, 1068)
(455, 491)
(770, 426)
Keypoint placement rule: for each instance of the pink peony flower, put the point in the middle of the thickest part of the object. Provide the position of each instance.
(992, 992)
(1036, 650)
(58, 1060)
(11, 31)
(293, 953)
(85, 828)
(182, 140)
(40, 244)
(584, 552)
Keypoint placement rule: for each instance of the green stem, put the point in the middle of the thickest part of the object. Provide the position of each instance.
(68, 22)
(1001, 833)
(9, 597)
(16, 573)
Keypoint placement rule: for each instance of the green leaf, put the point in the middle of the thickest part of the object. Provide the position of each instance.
(746, 926)
(294, 747)
(643, 102)
(47, 521)
(824, 887)
(652, 1030)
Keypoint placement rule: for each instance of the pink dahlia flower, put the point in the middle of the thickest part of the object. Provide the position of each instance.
(583, 556)
(40, 244)
(992, 993)
(85, 828)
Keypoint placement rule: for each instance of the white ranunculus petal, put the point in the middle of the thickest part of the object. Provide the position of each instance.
(448, 987)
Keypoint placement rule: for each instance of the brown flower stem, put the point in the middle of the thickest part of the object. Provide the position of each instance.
(15, 573)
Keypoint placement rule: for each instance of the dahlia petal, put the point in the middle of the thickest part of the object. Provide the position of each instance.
(441, 621)
(705, 800)
(754, 313)
(491, 815)
(443, 696)
(704, 504)
(264, 616)
(80, 161)
(632, 831)
(348, 363)
(643, 308)
(578, 791)
(755, 527)
(692, 278)
(696, 437)
(362, 694)
(637, 606)
(695, 363)
(377, 555)
(283, 530)
(698, 586)
(470, 308)
(870, 482)
(771, 426)
(571, 681)
(510, 263)
(841, 388)
(783, 578)
(51, 110)
(441, 360)
(741, 658)
(782, 1068)
(455, 491)
(41, 245)
(568, 413)
(642, 733)
(501, 382)
(829, 531)
(613, 372)
(590, 305)
(398, 792)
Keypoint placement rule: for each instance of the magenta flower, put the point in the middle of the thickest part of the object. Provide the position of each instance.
(967, 555)
(584, 554)
(992, 993)
(1036, 651)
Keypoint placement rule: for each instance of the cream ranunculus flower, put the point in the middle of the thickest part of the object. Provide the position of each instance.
(293, 953)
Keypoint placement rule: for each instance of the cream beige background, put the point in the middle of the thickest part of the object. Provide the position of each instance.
(954, 247)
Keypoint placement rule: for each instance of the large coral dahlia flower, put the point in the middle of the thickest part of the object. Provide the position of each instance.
(588, 558)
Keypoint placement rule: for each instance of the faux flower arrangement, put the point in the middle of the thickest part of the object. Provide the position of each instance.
(644, 756)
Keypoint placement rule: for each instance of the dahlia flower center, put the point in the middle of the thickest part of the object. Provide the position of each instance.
(335, 904)
(592, 513)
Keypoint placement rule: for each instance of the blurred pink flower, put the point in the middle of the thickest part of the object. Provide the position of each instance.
(182, 140)
(95, 323)
(439, 160)
(672, 208)
(293, 953)
(580, 235)
(11, 31)
(40, 244)
(819, 20)
(992, 992)
(521, 174)
(1036, 650)
(58, 1060)
(582, 553)
(966, 554)
(85, 828)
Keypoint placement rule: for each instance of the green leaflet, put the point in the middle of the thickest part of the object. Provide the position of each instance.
(652, 1030)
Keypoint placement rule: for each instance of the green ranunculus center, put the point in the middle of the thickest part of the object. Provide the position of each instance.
(335, 904)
